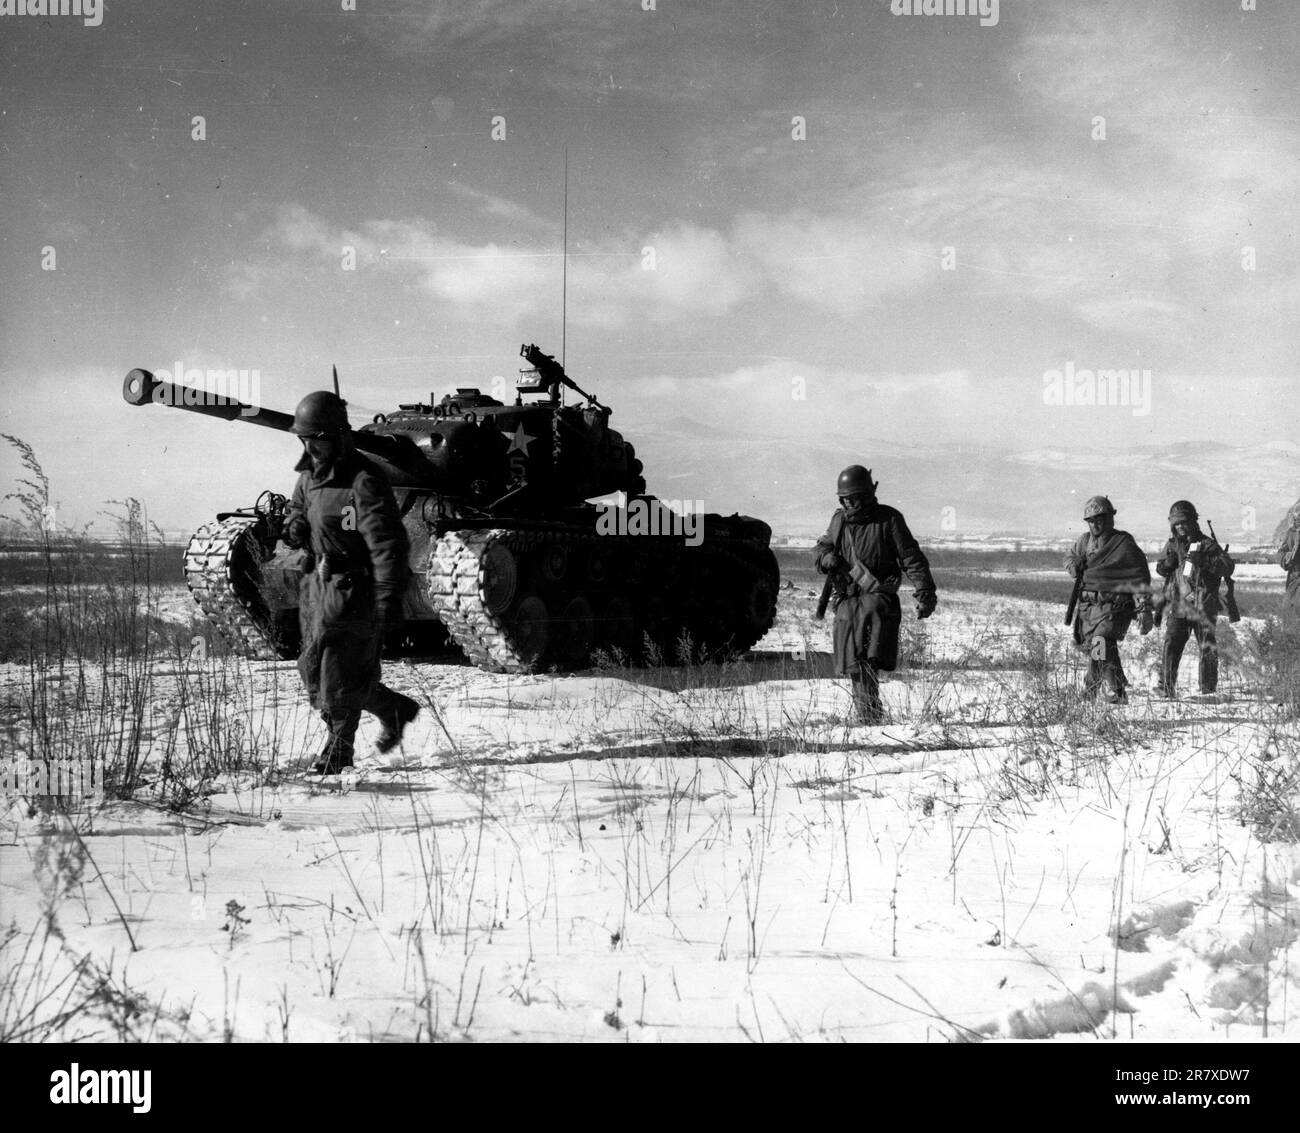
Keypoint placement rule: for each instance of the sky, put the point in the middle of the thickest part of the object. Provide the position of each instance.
(782, 220)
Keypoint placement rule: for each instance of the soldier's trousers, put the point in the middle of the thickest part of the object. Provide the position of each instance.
(865, 643)
(1099, 626)
(1177, 632)
(1105, 672)
(340, 666)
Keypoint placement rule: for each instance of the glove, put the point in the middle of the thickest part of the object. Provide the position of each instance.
(297, 532)
(1148, 618)
(829, 562)
(926, 601)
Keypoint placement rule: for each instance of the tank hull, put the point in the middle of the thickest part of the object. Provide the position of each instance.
(563, 592)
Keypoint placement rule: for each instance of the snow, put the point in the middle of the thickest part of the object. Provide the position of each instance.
(685, 855)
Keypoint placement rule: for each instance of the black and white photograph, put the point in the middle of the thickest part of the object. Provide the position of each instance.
(604, 521)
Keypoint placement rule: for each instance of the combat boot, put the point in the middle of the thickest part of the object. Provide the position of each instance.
(334, 757)
(338, 751)
(403, 711)
(1115, 684)
(1209, 669)
(867, 707)
(1092, 682)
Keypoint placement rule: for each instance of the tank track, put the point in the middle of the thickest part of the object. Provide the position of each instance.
(486, 586)
(222, 568)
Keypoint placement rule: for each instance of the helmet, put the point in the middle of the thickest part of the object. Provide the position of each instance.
(853, 480)
(1098, 505)
(320, 412)
(1182, 511)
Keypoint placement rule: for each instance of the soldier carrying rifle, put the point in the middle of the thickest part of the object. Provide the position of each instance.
(1193, 566)
(865, 553)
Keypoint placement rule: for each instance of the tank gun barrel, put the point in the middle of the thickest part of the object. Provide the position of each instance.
(402, 461)
(140, 387)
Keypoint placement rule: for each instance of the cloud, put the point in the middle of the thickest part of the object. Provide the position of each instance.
(1196, 163)
(727, 52)
(502, 208)
(684, 271)
(834, 263)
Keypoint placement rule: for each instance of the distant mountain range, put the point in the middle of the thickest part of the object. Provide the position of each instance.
(974, 490)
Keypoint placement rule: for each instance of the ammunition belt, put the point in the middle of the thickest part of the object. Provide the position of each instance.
(1107, 595)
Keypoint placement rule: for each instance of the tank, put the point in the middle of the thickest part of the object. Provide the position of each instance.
(510, 559)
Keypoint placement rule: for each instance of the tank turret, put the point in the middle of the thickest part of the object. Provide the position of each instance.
(520, 459)
(509, 557)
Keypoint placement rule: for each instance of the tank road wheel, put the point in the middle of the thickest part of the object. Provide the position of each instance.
(529, 630)
(553, 562)
(498, 578)
(494, 590)
(575, 632)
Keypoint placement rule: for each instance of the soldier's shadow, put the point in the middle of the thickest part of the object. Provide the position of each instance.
(747, 669)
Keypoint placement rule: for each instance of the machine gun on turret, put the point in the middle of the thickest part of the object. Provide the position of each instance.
(548, 376)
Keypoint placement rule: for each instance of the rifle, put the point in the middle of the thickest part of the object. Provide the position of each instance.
(1074, 595)
(1229, 594)
(825, 599)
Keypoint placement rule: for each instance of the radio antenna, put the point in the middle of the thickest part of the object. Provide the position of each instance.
(564, 285)
(336, 382)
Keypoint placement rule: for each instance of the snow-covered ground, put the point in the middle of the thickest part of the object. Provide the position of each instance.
(673, 854)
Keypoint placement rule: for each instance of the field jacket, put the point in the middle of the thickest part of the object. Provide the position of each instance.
(1192, 578)
(356, 532)
(879, 550)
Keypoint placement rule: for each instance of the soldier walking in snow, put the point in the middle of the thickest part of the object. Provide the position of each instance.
(343, 511)
(1193, 566)
(866, 551)
(1114, 583)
